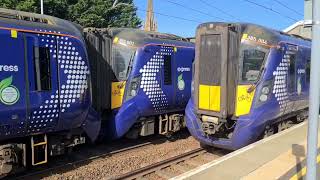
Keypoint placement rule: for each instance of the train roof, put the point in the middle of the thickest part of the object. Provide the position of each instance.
(21, 19)
(140, 37)
(273, 36)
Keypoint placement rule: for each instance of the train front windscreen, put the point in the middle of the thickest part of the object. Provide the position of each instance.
(251, 63)
(122, 61)
(122, 57)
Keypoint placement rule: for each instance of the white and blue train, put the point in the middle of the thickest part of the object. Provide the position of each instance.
(60, 85)
(249, 82)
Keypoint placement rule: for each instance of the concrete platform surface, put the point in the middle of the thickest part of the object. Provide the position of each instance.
(281, 156)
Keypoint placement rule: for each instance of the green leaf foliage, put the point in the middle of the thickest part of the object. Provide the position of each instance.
(88, 13)
(5, 83)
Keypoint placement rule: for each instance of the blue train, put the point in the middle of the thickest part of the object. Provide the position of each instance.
(249, 82)
(45, 89)
(60, 85)
(150, 80)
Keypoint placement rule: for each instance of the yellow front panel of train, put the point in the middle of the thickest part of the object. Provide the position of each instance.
(244, 100)
(215, 98)
(209, 97)
(117, 93)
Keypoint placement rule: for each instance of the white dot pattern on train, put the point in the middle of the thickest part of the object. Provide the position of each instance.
(280, 84)
(149, 82)
(73, 85)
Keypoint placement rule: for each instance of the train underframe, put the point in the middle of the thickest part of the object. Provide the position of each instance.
(165, 124)
(20, 154)
(218, 128)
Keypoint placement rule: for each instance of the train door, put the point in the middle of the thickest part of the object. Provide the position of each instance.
(302, 79)
(291, 54)
(12, 84)
(168, 86)
(182, 77)
(43, 82)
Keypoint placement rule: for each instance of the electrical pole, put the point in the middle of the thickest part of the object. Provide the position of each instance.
(41, 2)
(314, 95)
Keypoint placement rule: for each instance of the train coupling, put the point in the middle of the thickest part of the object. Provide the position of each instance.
(211, 125)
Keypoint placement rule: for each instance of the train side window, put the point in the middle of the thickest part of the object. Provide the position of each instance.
(308, 66)
(42, 68)
(292, 74)
(167, 70)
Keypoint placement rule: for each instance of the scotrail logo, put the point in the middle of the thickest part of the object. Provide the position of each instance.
(183, 69)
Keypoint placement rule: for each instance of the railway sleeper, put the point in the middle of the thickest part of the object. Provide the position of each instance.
(165, 174)
(181, 168)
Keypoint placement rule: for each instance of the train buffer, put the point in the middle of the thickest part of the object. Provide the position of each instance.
(282, 156)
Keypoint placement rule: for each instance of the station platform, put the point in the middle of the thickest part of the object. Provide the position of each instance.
(282, 156)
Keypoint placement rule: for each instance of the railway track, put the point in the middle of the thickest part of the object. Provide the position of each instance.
(179, 164)
(36, 174)
(174, 166)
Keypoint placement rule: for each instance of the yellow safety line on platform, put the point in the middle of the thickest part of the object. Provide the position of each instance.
(303, 171)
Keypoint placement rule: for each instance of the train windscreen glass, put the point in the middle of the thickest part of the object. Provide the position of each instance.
(251, 63)
(122, 57)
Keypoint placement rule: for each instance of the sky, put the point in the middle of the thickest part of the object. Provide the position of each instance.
(190, 13)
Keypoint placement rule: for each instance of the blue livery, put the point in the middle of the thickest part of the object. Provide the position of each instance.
(264, 84)
(45, 93)
(151, 85)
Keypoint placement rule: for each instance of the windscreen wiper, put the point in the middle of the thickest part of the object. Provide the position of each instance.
(130, 64)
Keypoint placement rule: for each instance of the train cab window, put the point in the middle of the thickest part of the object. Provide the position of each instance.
(122, 57)
(292, 74)
(167, 70)
(251, 62)
(42, 68)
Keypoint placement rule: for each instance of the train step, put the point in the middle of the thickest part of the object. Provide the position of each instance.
(39, 150)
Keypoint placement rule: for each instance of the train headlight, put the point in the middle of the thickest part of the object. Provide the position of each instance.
(134, 87)
(263, 98)
(264, 94)
(132, 91)
(265, 90)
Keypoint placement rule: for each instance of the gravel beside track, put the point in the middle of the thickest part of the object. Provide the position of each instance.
(172, 167)
(121, 163)
(111, 160)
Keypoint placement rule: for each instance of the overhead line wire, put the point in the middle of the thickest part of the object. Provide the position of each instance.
(170, 16)
(220, 10)
(282, 4)
(195, 10)
(270, 9)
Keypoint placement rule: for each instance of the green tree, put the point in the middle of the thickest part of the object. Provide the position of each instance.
(105, 13)
(26, 5)
(93, 13)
